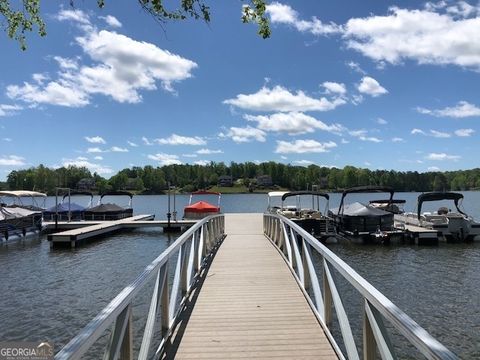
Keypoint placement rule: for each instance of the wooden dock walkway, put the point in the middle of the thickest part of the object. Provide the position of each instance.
(71, 225)
(74, 236)
(249, 306)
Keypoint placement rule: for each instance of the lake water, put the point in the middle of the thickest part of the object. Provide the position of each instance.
(52, 294)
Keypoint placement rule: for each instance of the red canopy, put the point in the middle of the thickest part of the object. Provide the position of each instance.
(202, 207)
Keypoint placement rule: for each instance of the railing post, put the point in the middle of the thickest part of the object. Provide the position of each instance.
(327, 298)
(197, 251)
(165, 304)
(177, 280)
(155, 305)
(120, 344)
(369, 350)
(186, 250)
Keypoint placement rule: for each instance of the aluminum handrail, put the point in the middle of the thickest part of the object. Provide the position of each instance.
(194, 248)
(291, 240)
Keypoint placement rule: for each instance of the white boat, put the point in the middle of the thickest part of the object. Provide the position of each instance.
(20, 214)
(454, 226)
(310, 218)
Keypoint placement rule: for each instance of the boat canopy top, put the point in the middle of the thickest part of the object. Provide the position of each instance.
(22, 193)
(119, 193)
(436, 196)
(359, 209)
(365, 189)
(76, 193)
(297, 193)
(205, 192)
(388, 201)
(277, 193)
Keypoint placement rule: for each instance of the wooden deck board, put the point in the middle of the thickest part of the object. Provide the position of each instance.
(250, 306)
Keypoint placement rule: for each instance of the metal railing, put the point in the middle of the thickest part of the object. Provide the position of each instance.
(297, 245)
(192, 251)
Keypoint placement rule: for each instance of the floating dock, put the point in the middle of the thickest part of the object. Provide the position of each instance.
(80, 231)
(250, 305)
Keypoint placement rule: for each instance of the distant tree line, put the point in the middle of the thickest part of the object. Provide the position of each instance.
(149, 179)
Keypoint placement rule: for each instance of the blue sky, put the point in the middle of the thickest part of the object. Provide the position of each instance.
(380, 85)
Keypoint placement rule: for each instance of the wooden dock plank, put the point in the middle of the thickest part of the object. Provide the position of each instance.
(250, 306)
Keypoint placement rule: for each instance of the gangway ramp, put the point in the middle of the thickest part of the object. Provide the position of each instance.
(250, 306)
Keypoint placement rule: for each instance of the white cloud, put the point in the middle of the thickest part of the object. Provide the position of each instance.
(334, 88)
(433, 133)
(112, 21)
(397, 139)
(146, 141)
(165, 159)
(462, 110)
(292, 123)
(209, 151)
(81, 162)
(74, 15)
(381, 121)
(433, 168)
(64, 63)
(7, 139)
(202, 162)
(436, 34)
(246, 134)
(442, 157)
(175, 139)
(345, 141)
(121, 67)
(98, 157)
(95, 139)
(118, 149)
(40, 78)
(362, 135)
(284, 14)
(427, 36)
(303, 162)
(439, 134)
(418, 131)
(190, 155)
(8, 110)
(464, 132)
(94, 150)
(61, 92)
(280, 99)
(370, 86)
(12, 160)
(356, 67)
(303, 146)
(132, 144)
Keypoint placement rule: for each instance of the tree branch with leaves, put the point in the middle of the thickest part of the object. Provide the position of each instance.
(26, 16)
